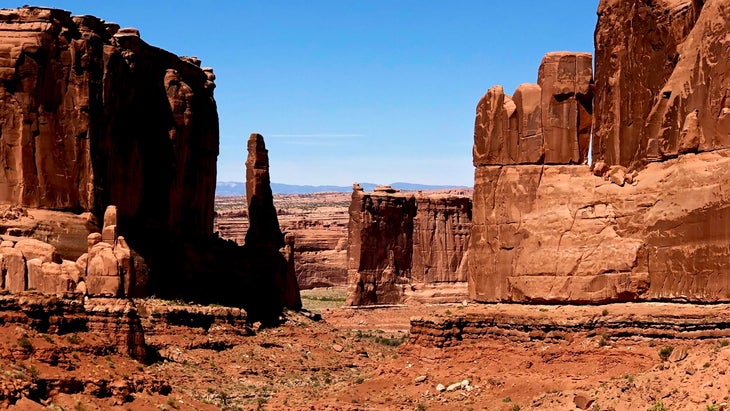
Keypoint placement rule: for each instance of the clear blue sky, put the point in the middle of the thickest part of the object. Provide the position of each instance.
(342, 90)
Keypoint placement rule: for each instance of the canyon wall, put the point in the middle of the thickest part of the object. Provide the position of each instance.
(661, 81)
(92, 116)
(648, 219)
(406, 246)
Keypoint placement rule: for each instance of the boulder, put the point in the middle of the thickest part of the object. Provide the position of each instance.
(32, 248)
(13, 269)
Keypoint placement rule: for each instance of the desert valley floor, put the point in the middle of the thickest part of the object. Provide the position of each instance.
(363, 359)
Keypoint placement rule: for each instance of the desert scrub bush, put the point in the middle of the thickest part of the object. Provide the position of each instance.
(73, 338)
(25, 343)
(659, 406)
(392, 341)
(712, 407)
(603, 341)
(665, 352)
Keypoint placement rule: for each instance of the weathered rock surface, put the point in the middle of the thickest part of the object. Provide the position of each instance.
(400, 241)
(524, 323)
(264, 237)
(561, 234)
(81, 103)
(629, 231)
(566, 81)
(652, 77)
(548, 122)
(318, 223)
(94, 116)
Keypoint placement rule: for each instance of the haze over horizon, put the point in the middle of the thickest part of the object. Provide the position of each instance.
(355, 91)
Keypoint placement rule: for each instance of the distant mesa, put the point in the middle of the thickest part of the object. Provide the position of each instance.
(233, 188)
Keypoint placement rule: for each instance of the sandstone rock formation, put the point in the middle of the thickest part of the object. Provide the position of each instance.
(264, 239)
(93, 116)
(650, 80)
(318, 223)
(548, 122)
(399, 242)
(627, 231)
(82, 101)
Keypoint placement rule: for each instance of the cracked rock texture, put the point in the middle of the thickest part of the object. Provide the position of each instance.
(661, 81)
(548, 122)
(91, 115)
(403, 244)
(629, 229)
(561, 234)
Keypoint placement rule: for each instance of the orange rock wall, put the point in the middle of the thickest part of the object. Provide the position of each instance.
(93, 116)
(399, 242)
(557, 232)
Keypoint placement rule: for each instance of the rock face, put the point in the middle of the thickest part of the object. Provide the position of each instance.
(91, 116)
(544, 123)
(661, 86)
(400, 242)
(629, 230)
(264, 238)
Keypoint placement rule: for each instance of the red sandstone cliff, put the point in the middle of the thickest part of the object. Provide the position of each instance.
(90, 116)
(661, 83)
(558, 232)
(400, 244)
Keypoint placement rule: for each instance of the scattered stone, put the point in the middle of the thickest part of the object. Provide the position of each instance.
(582, 401)
(440, 388)
(420, 379)
(678, 354)
(337, 347)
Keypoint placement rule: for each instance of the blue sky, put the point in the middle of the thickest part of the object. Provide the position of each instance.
(372, 91)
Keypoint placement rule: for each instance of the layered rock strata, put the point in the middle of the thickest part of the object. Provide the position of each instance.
(400, 242)
(524, 323)
(115, 318)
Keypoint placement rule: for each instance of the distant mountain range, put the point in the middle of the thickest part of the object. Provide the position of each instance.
(234, 188)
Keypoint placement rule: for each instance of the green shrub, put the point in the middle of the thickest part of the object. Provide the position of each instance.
(25, 343)
(665, 352)
(659, 406)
